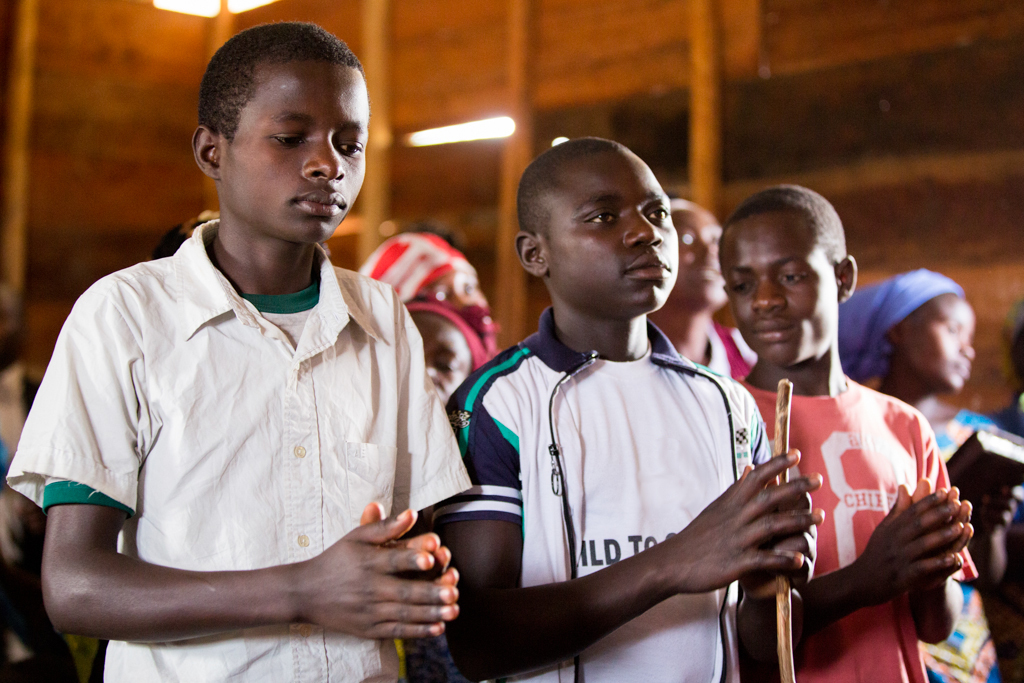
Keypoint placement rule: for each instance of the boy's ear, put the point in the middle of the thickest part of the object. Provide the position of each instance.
(207, 148)
(846, 277)
(532, 253)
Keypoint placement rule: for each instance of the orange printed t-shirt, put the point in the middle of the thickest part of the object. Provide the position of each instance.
(864, 444)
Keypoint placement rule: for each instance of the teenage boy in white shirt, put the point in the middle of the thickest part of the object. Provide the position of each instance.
(220, 434)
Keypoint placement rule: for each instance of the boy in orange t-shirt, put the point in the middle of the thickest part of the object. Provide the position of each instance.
(886, 557)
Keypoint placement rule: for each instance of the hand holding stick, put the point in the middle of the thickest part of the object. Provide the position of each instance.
(783, 590)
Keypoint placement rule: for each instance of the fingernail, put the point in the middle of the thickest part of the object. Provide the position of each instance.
(423, 561)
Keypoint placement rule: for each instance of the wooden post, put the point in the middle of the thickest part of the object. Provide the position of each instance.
(16, 158)
(706, 105)
(375, 197)
(218, 30)
(511, 290)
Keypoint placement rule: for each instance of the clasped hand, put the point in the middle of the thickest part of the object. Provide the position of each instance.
(752, 532)
(374, 584)
(917, 546)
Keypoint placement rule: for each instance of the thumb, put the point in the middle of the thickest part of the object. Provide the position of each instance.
(374, 512)
(924, 489)
(903, 500)
(382, 531)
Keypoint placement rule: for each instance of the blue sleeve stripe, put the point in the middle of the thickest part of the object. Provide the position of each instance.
(478, 506)
(483, 379)
(509, 435)
(481, 516)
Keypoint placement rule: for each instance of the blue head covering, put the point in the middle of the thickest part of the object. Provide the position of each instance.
(866, 318)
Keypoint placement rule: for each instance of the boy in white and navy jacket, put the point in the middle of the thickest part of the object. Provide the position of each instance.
(592, 443)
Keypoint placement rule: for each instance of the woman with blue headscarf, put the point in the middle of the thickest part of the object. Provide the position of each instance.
(914, 333)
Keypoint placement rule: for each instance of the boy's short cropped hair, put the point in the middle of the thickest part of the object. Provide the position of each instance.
(229, 81)
(820, 215)
(542, 174)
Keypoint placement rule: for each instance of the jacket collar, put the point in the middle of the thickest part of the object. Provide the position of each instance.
(544, 343)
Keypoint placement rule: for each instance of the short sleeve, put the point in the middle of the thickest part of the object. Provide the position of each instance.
(760, 443)
(761, 446)
(434, 470)
(89, 421)
(490, 448)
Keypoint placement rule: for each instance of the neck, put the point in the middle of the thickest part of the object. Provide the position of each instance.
(687, 329)
(936, 411)
(266, 266)
(614, 340)
(906, 385)
(813, 377)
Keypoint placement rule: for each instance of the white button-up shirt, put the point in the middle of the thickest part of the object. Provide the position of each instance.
(171, 394)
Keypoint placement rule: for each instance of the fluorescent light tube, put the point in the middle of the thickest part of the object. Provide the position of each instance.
(486, 129)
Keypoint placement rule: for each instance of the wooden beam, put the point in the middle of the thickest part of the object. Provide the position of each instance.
(706, 105)
(948, 168)
(375, 197)
(511, 291)
(16, 156)
(218, 30)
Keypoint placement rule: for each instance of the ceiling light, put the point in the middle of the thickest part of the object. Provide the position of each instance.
(559, 140)
(208, 8)
(236, 6)
(203, 8)
(487, 129)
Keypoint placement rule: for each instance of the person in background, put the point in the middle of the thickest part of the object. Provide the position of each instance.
(686, 317)
(30, 650)
(915, 331)
(440, 288)
(1011, 418)
(451, 347)
(424, 266)
(885, 558)
(452, 350)
(1004, 604)
(15, 391)
(179, 234)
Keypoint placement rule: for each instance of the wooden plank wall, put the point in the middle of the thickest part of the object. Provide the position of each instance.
(111, 169)
(906, 114)
(6, 30)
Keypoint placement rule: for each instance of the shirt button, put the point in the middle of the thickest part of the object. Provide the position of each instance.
(303, 541)
(300, 452)
(306, 630)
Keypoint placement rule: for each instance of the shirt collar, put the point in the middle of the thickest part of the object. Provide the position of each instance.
(544, 343)
(206, 294)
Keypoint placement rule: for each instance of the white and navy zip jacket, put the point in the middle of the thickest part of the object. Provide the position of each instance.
(645, 446)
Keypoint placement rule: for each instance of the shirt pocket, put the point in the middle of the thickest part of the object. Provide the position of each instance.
(371, 476)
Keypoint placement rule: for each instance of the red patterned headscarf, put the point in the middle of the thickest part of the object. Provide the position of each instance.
(412, 260)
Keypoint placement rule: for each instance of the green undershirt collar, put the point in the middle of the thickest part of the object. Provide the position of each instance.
(286, 303)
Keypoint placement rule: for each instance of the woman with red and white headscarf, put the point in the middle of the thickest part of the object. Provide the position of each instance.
(424, 267)
(442, 292)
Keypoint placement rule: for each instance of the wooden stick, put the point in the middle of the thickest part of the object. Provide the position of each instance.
(783, 591)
